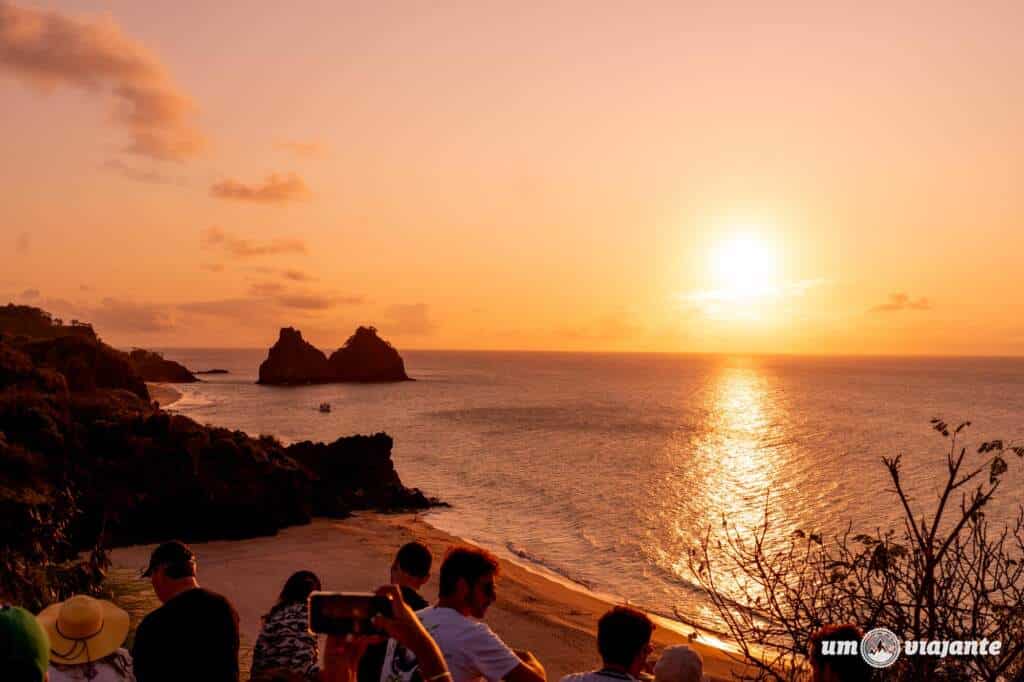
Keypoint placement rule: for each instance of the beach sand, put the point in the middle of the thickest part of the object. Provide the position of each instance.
(165, 394)
(532, 612)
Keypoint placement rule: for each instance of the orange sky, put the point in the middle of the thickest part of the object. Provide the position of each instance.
(495, 175)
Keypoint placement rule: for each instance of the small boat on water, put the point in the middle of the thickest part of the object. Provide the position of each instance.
(325, 407)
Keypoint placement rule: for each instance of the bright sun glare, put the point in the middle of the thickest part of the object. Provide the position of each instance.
(745, 267)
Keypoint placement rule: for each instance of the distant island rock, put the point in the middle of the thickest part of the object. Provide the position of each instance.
(293, 361)
(211, 371)
(154, 367)
(365, 358)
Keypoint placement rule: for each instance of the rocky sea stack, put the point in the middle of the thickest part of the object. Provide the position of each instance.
(365, 358)
(87, 461)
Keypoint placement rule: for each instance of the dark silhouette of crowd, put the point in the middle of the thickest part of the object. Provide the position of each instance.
(194, 635)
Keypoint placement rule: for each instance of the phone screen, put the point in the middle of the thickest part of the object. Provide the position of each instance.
(343, 613)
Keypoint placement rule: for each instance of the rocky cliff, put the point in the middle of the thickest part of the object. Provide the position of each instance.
(152, 366)
(365, 358)
(87, 461)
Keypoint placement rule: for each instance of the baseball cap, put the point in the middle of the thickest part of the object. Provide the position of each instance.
(173, 552)
(679, 663)
(24, 646)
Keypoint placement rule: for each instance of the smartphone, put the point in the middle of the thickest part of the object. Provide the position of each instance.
(343, 613)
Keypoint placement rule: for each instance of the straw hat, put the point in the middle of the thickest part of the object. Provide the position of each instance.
(83, 629)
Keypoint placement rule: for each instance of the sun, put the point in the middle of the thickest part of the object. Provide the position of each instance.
(745, 267)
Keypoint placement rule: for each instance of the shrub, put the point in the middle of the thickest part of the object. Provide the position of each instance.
(945, 575)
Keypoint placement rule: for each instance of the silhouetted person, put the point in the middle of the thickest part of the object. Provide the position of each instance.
(194, 635)
(285, 641)
(24, 646)
(471, 650)
(846, 668)
(624, 642)
(410, 571)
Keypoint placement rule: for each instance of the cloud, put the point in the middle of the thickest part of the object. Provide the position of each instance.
(297, 276)
(29, 295)
(306, 301)
(23, 243)
(266, 288)
(408, 319)
(116, 315)
(276, 189)
(267, 306)
(152, 177)
(743, 303)
(307, 149)
(48, 49)
(129, 316)
(901, 301)
(213, 267)
(217, 238)
(739, 295)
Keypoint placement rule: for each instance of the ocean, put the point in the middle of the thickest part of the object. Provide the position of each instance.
(604, 469)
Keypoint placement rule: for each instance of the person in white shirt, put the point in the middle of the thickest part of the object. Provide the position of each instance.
(471, 649)
(624, 642)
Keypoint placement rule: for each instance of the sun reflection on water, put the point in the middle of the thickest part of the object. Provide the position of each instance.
(737, 469)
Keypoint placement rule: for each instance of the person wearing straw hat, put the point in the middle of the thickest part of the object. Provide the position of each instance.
(86, 638)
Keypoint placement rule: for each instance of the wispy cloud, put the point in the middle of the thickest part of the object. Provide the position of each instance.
(276, 189)
(150, 176)
(713, 296)
(743, 303)
(901, 301)
(116, 315)
(48, 49)
(297, 276)
(268, 303)
(305, 149)
(23, 243)
(217, 238)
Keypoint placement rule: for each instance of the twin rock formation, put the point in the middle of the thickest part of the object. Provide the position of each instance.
(364, 358)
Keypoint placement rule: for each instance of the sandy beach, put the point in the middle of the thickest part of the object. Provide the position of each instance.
(533, 612)
(165, 394)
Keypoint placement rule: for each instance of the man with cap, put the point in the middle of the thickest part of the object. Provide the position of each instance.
(24, 646)
(194, 635)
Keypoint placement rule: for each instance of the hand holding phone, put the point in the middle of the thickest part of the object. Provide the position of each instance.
(347, 613)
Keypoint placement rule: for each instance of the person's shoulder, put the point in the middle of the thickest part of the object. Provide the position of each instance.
(212, 599)
(480, 632)
(579, 677)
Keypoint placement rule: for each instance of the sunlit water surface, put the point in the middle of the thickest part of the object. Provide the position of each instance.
(605, 469)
